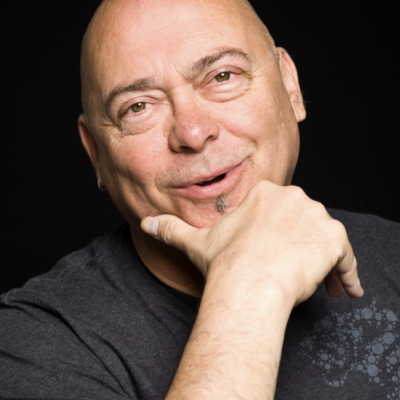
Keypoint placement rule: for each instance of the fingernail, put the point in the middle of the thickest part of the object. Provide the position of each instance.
(150, 225)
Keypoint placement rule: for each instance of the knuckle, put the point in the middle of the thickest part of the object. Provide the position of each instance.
(338, 235)
(318, 208)
(338, 229)
(262, 187)
(259, 190)
(263, 184)
(295, 192)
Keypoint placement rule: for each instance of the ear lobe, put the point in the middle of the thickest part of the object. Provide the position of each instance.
(291, 82)
(88, 141)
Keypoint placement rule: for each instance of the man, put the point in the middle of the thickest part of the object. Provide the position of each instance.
(190, 120)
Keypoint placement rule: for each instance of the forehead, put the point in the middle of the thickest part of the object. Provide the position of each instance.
(138, 39)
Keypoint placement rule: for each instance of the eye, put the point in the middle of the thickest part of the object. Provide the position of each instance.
(137, 107)
(223, 77)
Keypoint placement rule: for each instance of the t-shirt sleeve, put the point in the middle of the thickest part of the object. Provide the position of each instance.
(41, 357)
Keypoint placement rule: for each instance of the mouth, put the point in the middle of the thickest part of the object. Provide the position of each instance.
(211, 181)
(212, 186)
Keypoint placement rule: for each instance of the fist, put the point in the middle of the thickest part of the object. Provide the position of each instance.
(277, 236)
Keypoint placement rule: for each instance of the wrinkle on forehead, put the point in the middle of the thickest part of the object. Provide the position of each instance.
(114, 19)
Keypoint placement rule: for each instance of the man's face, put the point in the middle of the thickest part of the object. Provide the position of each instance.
(188, 109)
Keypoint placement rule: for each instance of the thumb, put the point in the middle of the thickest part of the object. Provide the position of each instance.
(172, 231)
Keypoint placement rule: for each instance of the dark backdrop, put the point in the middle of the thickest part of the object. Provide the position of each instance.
(347, 54)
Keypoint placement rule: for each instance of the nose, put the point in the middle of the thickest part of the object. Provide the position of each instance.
(192, 129)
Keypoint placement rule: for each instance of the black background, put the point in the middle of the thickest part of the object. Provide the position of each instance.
(347, 54)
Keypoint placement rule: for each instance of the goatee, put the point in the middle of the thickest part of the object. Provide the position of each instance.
(221, 203)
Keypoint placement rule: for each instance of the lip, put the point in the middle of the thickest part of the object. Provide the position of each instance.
(190, 188)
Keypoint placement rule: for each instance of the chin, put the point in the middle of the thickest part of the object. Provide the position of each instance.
(202, 221)
(206, 218)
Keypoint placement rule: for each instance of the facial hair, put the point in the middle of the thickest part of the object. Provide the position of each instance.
(221, 203)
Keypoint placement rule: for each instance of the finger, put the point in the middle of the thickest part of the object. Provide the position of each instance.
(347, 273)
(171, 230)
(333, 285)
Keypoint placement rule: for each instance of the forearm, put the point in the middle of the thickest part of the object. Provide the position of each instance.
(235, 346)
(261, 259)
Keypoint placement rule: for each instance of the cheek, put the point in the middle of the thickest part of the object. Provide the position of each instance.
(267, 122)
(132, 172)
(137, 159)
(252, 117)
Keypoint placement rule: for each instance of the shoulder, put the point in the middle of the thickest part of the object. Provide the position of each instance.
(70, 285)
(76, 268)
(48, 328)
(77, 287)
(366, 229)
(357, 222)
(375, 241)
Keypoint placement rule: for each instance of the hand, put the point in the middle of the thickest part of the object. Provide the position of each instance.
(276, 236)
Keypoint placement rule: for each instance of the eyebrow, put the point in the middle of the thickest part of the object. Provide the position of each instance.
(207, 61)
(139, 85)
(199, 66)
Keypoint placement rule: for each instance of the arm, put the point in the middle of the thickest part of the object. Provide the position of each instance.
(259, 261)
(235, 347)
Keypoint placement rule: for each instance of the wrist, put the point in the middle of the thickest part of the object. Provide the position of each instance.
(237, 286)
(249, 281)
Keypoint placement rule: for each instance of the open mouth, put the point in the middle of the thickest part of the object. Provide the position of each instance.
(212, 181)
(212, 185)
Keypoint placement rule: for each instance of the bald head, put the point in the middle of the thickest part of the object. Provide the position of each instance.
(114, 19)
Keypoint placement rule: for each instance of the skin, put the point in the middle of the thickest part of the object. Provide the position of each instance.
(260, 261)
(272, 245)
(193, 125)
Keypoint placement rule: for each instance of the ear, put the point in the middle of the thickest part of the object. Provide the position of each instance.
(88, 141)
(291, 82)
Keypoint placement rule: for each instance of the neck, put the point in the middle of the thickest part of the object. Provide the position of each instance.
(168, 264)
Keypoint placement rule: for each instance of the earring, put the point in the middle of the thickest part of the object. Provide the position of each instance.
(101, 187)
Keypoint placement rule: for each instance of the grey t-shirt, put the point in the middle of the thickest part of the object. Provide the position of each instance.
(99, 326)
